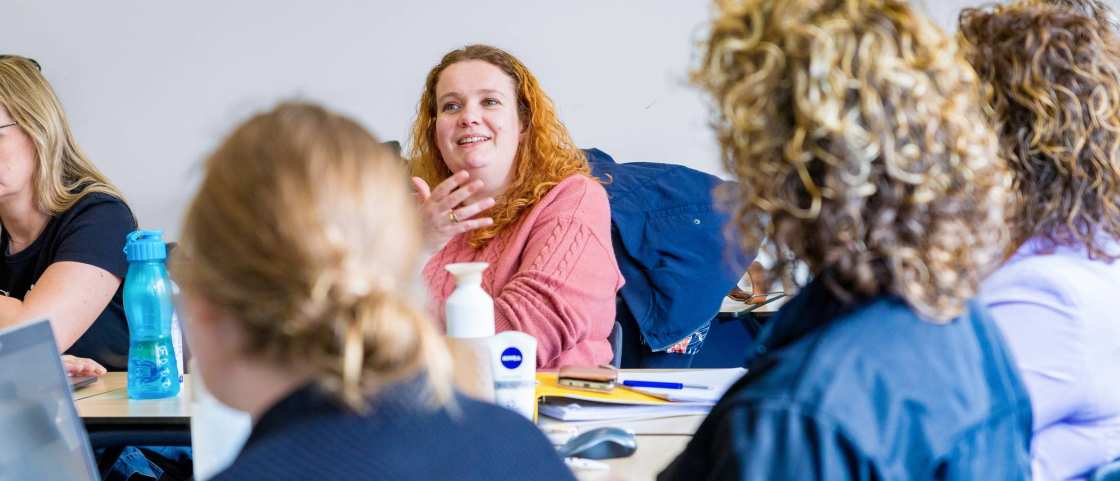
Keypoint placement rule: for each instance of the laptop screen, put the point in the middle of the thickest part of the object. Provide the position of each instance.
(41, 436)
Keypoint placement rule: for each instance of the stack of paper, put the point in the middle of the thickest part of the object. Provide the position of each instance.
(717, 382)
(622, 403)
(592, 411)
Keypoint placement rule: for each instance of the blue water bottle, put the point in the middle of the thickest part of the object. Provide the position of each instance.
(152, 370)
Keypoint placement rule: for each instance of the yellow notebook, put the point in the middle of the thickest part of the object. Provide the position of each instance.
(567, 404)
(548, 387)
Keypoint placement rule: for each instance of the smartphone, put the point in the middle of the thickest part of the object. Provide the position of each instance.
(601, 378)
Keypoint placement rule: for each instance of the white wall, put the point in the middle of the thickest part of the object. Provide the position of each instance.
(151, 86)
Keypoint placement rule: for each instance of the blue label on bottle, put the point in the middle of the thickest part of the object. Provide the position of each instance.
(511, 358)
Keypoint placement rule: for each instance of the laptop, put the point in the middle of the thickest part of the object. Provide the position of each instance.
(41, 435)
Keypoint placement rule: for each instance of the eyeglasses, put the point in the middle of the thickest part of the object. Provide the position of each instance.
(29, 59)
(8, 125)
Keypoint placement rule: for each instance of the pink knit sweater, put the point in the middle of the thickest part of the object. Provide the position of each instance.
(552, 275)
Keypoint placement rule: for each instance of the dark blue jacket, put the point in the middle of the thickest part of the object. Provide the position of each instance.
(309, 436)
(669, 240)
(867, 392)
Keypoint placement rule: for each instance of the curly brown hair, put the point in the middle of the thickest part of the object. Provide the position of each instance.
(1090, 8)
(545, 157)
(1055, 97)
(855, 129)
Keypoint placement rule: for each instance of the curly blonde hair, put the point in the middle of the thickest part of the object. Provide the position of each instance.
(545, 157)
(855, 129)
(304, 231)
(1095, 9)
(1055, 97)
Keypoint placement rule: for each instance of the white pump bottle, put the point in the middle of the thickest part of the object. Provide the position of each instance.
(469, 309)
(500, 368)
(469, 312)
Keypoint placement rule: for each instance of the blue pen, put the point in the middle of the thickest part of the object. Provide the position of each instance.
(661, 385)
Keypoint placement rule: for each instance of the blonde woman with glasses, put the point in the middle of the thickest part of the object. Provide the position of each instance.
(304, 308)
(64, 225)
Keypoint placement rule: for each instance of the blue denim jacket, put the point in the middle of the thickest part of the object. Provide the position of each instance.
(669, 239)
(867, 392)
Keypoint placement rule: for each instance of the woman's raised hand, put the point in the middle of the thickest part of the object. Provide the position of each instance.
(443, 209)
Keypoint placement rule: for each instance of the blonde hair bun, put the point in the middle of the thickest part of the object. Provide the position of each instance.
(305, 232)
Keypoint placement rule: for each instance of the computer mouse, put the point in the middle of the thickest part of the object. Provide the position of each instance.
(600, 443)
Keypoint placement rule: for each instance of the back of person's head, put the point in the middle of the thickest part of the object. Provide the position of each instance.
(63, 174)
(304, 233)
(545, 157)
(856, 132)
(1054, 74)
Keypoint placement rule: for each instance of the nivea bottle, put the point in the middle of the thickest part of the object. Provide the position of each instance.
(513, 362)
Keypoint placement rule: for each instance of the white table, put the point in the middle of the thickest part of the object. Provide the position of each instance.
(106, 403)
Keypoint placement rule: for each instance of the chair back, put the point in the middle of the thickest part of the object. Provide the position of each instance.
(615, 338)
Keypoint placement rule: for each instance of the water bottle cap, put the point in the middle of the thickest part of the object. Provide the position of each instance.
(145, 245)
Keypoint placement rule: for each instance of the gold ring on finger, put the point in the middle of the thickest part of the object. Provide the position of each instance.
(451, 215)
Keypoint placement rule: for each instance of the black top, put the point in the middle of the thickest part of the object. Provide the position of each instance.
(867, 391)
(308, 435)
(92, 231)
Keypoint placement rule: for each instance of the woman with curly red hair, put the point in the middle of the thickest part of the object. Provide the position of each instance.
(307, 317)
(489, 140)
(1054, 72)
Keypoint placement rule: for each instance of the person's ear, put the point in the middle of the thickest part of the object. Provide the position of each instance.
(523, 121)
(206, 322)
(197, 310)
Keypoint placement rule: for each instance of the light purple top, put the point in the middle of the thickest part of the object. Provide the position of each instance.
(1060, 314)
